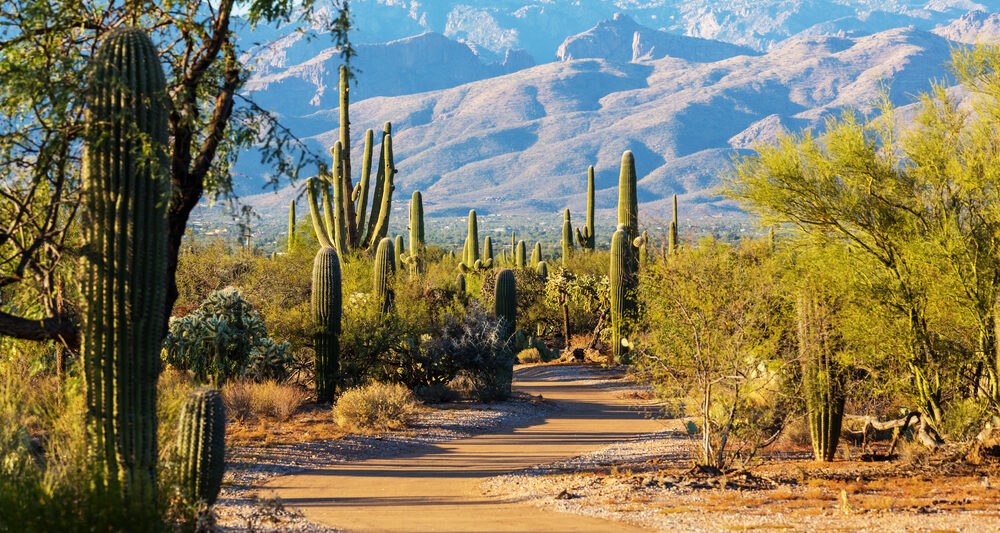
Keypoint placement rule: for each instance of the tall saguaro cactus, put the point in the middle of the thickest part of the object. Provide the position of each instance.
(343, 224)
(125, 196)
(327, 307)
(201, 444)
(567, 239)
(398, 255)
(383, 271)
(623, 303)
(505, 301)
(822, 378)
(520, 255)
(536, 254)
(673, 230)
(487, 249)
(586, 237)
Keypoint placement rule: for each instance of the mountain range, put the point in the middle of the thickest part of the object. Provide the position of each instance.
(478, 124)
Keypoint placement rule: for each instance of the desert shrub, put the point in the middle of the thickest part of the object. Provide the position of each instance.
(47, 473)
(531, 355)
(721, 338)
(267, 399)
(375, 407)
(224, 339)
(437, 393)
(474, 345)
(531, 307)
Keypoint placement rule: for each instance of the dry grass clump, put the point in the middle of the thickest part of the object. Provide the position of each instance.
(268, 399)
(531, 355)
(375, 407)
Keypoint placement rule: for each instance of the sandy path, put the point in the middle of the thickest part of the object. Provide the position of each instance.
(436, 488)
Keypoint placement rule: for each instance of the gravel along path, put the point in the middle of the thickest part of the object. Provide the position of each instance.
(436, 487)
(242, 507)
(645, 482)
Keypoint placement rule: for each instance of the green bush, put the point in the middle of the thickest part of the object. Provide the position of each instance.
(224, 339)
(474, 345)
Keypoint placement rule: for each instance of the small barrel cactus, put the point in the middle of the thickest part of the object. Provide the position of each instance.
(201, 444)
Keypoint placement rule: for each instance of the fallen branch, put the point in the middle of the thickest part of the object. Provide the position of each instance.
(926, 434)
(597, 331)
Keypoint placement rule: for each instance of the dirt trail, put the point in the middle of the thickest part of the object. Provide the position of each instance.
(436, 487)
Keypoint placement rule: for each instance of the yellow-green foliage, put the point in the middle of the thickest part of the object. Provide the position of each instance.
(375, 407)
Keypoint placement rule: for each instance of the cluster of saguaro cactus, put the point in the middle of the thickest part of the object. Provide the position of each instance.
(536, 254)
(327, 307)
(201, 444)
(342, 225)
(415, 258)
(822, 378)
(505, 302)
(125, 197)
(567, 239)
(383, 271)
(624, 259)
(291, 225)
(471, 259)
(586, 237)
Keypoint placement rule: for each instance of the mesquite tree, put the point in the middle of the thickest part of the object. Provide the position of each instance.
(45, 51)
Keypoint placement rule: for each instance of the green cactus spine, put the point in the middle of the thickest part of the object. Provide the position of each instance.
(291, 225)
(327, 307)
(398, 255)
(201, 444)
(536, 254)
(361, 203)
(644, 250)
(383, 271)
(822, 379)
(623, 304)
(487, 249)
(472, 240)
(125, 196)
(673, 230)
(520, 255)
(416, 224)
(505, 302)
(628, 209)
(586, 237)
(567, 239)
(383, 189)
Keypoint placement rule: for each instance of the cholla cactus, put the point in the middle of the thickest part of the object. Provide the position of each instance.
(224, 339)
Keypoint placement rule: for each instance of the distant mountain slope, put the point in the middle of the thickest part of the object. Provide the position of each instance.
(421, 63)
(622, 40)
(521, 143)
(973, 27)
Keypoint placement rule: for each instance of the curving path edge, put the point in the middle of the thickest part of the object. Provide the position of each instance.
(437, 489)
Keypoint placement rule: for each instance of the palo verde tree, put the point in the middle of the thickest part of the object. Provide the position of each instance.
(45, 57)
(922, 203)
